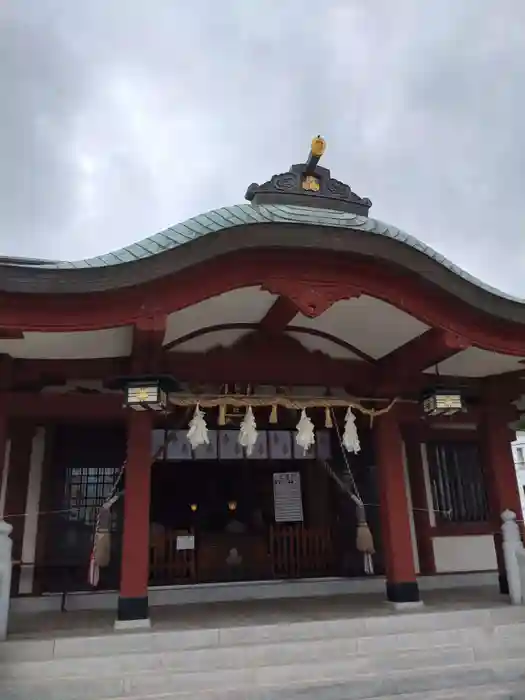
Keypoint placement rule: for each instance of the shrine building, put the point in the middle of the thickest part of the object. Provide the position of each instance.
(283, 390)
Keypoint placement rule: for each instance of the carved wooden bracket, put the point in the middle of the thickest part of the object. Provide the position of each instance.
(311, 297)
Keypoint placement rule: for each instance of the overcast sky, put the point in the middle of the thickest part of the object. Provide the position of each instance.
(119, 118)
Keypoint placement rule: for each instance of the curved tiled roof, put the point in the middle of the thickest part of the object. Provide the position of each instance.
(246, 214)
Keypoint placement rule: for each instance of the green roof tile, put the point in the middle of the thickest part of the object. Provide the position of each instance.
(248, 214)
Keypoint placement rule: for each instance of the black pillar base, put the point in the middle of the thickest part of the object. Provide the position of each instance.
(403, 592)
(503, 584)
(132, 608)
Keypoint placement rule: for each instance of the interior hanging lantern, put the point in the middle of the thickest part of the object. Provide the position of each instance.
(442, 402)
(147, 392)
(141, 395)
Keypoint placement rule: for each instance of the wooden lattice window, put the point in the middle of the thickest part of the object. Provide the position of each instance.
(457, 482)
(86, 489)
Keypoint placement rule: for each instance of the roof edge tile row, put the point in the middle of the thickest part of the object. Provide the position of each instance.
(246, 214)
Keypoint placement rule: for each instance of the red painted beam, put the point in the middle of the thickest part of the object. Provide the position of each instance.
(332, 276)
(65, 407)
(50, 372)
(280, 360)
(267, 367)
(282, 312)
(428, 349)
(267, 359)
(146, 352)
(229, 365)
(11, 334)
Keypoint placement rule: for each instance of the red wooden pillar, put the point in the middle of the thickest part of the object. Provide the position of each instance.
(401, 586)
(495, 439)
(5, 385)
(4, 437)
(22, 434)
(422, 525)
(133, 598)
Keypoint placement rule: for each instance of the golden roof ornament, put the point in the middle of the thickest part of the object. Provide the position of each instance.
(318, 146)
(309, 185)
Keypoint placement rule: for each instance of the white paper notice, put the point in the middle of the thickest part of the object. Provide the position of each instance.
(287, 497)
(185, 542)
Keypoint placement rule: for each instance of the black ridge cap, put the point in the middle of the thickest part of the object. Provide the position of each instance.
(309, 185)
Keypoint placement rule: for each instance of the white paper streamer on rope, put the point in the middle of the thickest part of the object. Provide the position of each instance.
(198, 431)
(305, 437)
(94, 572)
(350, 436)
(369, 564)
(248, 431)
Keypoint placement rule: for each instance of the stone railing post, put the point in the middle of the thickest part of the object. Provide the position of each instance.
(512, 552)
(5, 575)
(520, 555)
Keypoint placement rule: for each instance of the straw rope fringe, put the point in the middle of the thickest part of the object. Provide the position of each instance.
(291, 403)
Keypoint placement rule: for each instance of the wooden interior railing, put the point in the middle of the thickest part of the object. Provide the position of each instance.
(167, 563)
(299, 551)
(293, 551)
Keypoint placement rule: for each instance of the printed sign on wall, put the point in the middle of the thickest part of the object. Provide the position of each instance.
(185, 542)
(287, 497)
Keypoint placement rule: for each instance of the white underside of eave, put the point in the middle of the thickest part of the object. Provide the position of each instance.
(372, 326)
(82, 345)
(474, 362)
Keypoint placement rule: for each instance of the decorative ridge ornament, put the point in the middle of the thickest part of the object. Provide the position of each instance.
(310, 185)
(317, 149)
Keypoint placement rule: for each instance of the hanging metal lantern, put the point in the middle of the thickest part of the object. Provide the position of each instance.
(442, 402)
(146, 392)
(141, 396)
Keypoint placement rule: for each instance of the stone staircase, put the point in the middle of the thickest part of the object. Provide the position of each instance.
(455, 654)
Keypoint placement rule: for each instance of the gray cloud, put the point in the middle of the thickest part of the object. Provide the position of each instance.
(120, 118)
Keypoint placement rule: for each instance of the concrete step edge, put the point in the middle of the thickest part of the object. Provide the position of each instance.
(204, 638)
(302, 669)
(176, 660)
(116, 645)
(23, 669)
(496, 691)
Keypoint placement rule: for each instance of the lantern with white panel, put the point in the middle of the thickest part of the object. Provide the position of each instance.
(147, 392)
(442, 402)
(142, 396)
